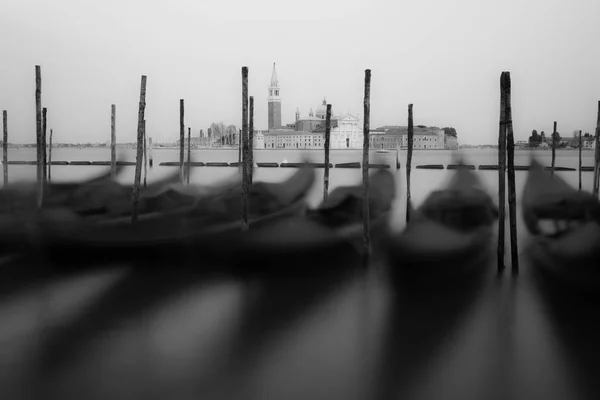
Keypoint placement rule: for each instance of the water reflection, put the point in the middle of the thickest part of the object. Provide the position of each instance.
(312, 325)
(573, 319)
(419, 323)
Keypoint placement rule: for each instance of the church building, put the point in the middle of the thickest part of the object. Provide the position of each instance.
(308, 132)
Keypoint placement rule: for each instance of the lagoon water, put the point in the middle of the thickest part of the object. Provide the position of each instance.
(118, 333)
(422, 181)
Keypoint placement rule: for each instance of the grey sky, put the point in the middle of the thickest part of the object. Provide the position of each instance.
(445, 56)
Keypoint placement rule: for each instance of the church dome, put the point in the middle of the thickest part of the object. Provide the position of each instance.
(322, 110)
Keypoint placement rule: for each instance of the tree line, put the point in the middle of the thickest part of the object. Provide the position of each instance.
(535, 140)
(224, 135)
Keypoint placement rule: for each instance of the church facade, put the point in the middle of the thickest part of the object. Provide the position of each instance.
(346, 130)
(308, 132)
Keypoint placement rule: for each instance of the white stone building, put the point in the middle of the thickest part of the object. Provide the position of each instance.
(258, 141)
(347, 134)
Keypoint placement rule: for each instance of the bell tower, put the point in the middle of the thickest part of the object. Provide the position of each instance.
(274, 102)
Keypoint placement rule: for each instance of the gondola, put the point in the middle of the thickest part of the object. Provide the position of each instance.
(564, 224)
(211, 226)
(449, 236)
(334, 226)
(96, 200)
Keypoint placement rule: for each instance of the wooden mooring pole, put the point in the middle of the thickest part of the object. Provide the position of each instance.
(597, 156)
(501, 176)
(189, 154)
(245, 180)
(38, 126)
(5, 146)
(327, 138)
(365, 165)
(44, 147)
(553, 151)
(113, 142)
(140, 151)
(150, 156)
(145, 156)
(240, 146)
(512, 195)
(181, 139)
(410, 137)
(250, 143)
(580, 144)
(50, 158)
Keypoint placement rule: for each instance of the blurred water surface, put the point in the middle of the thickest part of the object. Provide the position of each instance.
(330, 333)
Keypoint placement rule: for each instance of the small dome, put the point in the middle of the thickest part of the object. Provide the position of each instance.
(322, 110)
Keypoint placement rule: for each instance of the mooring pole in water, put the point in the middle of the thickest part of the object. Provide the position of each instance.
(553, 151)
(501, 176)
(365, 165)
(44, 147)
(250, 144)
(189, 154)
(327, 138)
(245, 180)
(38, 128)
(410, 136)
(5, 146)
(240, 147)
(512, 194)
(151, 158)
(140, 151)
(181, 139)
(597, 156)
(580, 144)
(113, 141)
(145, 156)
(50, 158)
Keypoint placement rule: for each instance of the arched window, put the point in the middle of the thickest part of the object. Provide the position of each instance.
(277, 93)
(270, 93)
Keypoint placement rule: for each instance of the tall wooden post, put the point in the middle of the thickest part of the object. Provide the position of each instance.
(501, 176)
(365, 164)
(44, 149)
(327, 138)
(250, 144)
(580, 144)
(240, 146)
(597, 156)
(140, 151)
(113, 141)
(189, 154)
(50, 158)
(181, 139)
(553, 151)
(5, 146)
(410, 136)
(145, 156)
(245, 181)
(512, 196)
(150, 156)
(38, 126)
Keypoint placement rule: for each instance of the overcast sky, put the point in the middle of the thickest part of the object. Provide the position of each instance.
(445, 56)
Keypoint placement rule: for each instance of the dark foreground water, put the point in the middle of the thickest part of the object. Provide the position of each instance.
(178, 334)
(332, 331)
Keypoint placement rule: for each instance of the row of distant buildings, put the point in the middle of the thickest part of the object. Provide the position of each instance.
(308, 132)
(346, 132)
(350, 136)
(587, 143)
